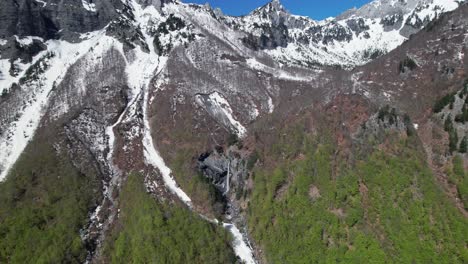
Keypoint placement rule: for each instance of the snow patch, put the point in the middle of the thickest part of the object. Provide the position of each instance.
(91, 7)
(41, 2)
(219, 108)
(21, 131)
(387, 95)
(254, 113)
(271, 106)
(26, 41)
(242, 250)
(278, 73)
(461, 55)
(241, 244)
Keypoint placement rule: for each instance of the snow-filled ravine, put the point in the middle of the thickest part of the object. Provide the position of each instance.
(64, 54)
(140, 72)
(242, 249)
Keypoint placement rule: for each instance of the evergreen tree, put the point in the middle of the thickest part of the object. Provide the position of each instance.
(448, 126)
(453, 140)
(463, 116)
(463, 145)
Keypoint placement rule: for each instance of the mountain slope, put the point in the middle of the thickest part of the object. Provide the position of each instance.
(219, 123)
(353, 38)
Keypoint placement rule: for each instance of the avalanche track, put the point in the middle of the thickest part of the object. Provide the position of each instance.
(140, 73)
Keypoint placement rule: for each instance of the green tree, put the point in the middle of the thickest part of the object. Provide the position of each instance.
(453, 140)
(44, 203)
(385, 209)
(443, 102)
(448, 125)
(151, 231)
(463, 145)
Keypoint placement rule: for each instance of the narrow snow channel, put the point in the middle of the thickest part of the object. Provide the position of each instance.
(217, 106)
(242, 249)
(227, 178)
(154, 158)
(221, 105)
(140, 73)
(91, 7)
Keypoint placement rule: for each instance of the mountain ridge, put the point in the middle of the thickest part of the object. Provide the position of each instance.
(178, 94)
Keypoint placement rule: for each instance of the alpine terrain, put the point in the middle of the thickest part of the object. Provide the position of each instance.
(156, 131)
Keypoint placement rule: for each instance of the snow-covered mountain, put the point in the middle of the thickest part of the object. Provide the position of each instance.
(269, 32)
(111, 78)
(353, 38)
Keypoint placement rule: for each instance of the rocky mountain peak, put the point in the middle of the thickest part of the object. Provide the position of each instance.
(271, 10)
(275, 5)
(382, 8)
(156, 3)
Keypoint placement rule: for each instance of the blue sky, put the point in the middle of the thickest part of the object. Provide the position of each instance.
(316, 9)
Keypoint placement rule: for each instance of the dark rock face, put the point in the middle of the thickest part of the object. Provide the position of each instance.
(275, 32)
(357, 25)
(125, 30)
(14, 50)
(312, 34)
(215, 167)
(225, 169)
(392, 21)
(156, 3)
(414, 21)
(336, 32)
(271, 38)
(172, 24)
(53, 18)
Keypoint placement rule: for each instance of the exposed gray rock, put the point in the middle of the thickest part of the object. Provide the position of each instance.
(378, 125)
(337, 32)
(271, 38)
(358, 25)
(156, 3)
(227, 171)
(14, 50)
(392, 22)
(54, 18)
(123, 28)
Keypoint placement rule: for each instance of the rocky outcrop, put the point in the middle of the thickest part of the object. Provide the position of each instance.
(227, 170)
(15, 49)
(271, 38)
(55, 18)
